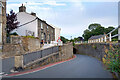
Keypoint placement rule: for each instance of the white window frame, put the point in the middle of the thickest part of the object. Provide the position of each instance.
(41, 25)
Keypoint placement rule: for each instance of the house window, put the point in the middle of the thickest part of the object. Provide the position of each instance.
(0, 9)
(42, 36)
(49, 39)
(41, 25)
(52, 31)
(47, 28)
(45, 37)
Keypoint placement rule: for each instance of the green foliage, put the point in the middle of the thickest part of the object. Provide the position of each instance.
(97, 29)
(73, 43)
(63, 39)
(112, 60)
(78, 39)
(87, 34)
(11, 22)
(93, 26)
(29, 37)
(95, 47)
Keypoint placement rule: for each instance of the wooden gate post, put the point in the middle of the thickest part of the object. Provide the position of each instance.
(110, 38)
(105, 38)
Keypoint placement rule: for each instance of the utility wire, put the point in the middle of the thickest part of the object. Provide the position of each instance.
(28, 22)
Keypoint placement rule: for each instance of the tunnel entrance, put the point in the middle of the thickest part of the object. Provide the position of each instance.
(74, 50)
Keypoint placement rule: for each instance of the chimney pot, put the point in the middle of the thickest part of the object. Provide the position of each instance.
(32, 13)
(22, 8)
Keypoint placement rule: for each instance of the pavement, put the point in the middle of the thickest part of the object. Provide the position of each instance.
(47, 46)
(81, 67)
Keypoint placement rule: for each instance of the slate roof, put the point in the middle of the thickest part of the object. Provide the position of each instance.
(96, 37)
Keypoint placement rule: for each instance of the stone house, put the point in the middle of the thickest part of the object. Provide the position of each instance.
(96, 39)
(2, 22)
(57, 32)
(31, 25)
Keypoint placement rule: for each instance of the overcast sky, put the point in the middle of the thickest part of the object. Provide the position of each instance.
(72, 16)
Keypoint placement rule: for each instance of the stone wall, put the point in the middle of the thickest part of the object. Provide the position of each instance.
(10, 50)
(65, 52)
(31, 44)
(20, 45)
(37, 58)
(94, 49)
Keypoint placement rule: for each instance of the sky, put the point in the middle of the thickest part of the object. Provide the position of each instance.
(72, 16)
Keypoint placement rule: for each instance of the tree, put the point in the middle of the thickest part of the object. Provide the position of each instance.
(87, 34)
(93, 26)
(107, 30)
(97, 29)
(12, 22)
(78, 39)
(63, 39)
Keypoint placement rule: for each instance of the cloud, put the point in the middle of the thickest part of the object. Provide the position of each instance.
(41, 2)
(65, 0)
(72, 16)
(33, 3)
(54, 3)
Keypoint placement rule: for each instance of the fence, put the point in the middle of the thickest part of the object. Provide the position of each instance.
(9, 63)
(110, 36)
(39, 54)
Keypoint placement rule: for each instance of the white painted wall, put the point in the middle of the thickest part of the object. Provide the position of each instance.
(23, 18)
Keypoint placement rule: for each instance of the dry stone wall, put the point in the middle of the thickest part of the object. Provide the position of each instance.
(20, 45)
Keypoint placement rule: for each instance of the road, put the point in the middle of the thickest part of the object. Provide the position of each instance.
(81, 67)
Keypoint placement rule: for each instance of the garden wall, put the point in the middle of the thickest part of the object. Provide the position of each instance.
(20, 45)
(97, 50)
(38, 58)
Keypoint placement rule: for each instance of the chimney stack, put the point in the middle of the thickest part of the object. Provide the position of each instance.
(22, 8)
(32, 13)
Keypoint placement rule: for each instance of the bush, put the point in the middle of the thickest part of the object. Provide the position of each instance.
(112, 59)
